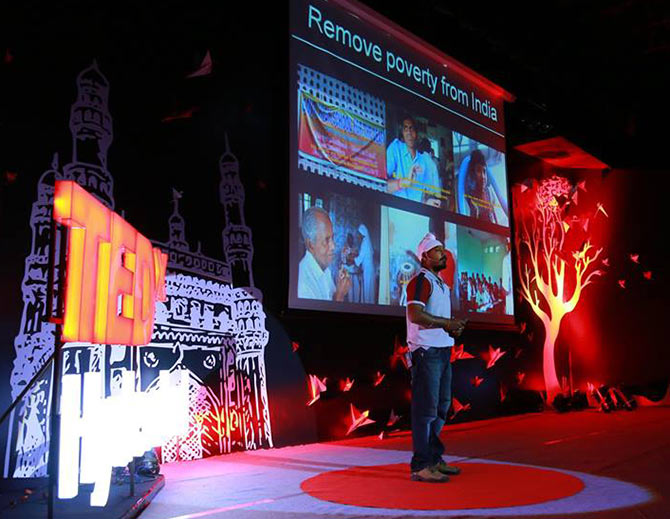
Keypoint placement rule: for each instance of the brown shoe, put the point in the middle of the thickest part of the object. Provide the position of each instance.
(428, 475)
(443, 468)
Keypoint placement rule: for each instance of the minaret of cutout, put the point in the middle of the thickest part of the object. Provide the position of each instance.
(237, 244)
(91, 127)
(251, 336)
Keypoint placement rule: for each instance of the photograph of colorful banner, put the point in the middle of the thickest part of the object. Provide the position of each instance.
(335, 137)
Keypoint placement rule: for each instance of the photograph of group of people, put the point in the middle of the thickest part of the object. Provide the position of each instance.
(365, 141)
(484, 273)
(351, 252)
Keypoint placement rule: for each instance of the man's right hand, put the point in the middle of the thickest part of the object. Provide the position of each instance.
(343, 285)
(455, 327)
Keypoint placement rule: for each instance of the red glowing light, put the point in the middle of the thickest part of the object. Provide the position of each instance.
(561, 153)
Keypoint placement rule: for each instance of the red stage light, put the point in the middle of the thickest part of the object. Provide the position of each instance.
(561, 153)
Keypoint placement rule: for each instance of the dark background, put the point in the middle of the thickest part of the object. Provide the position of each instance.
(596, 73)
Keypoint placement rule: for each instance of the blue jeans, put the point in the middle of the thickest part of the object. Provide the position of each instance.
(431, 398)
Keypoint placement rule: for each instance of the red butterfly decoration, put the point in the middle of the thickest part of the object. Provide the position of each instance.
(399, 354)
(601, 209)
(458, 407)
(358, 419)
(393, 419)
(345, 385)
(185, 114)
(492, 356)
(205, 67)
(458, 352)
(316, 387)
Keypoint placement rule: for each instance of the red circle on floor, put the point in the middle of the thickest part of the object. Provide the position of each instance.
(480, 485)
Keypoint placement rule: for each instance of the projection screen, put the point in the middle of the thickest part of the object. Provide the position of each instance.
(390, 139)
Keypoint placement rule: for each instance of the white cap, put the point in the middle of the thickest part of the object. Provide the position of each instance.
(429, 242)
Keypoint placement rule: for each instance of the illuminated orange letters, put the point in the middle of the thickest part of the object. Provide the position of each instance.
(114, 276)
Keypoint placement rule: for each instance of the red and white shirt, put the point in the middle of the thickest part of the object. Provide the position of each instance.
(429, 291)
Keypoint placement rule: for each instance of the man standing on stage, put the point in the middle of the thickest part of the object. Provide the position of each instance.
(430, 336)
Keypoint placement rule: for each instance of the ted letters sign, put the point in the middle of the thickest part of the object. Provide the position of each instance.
(114, 276)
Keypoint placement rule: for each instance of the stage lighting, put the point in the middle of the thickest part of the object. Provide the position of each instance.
(148, 466)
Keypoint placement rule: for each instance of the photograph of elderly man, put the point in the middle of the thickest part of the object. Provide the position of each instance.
(315, 280)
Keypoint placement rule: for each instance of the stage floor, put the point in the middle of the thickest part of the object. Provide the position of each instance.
(597, 465)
